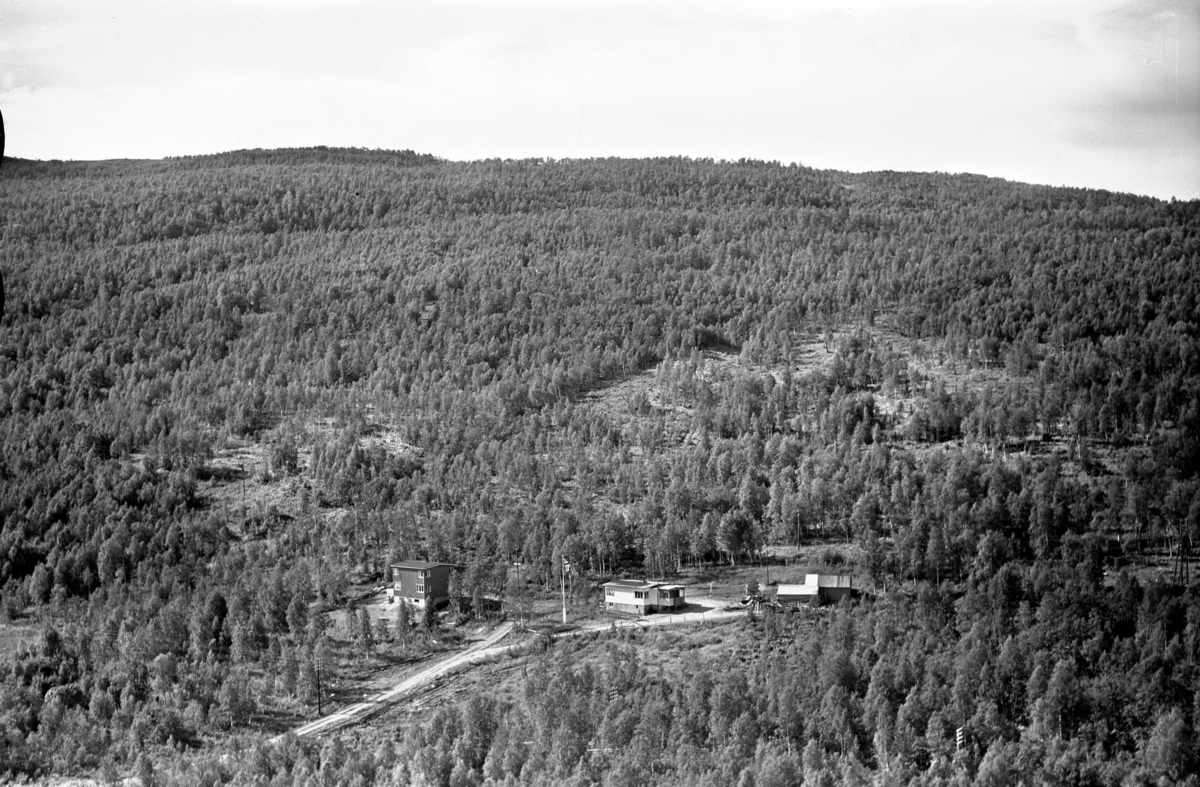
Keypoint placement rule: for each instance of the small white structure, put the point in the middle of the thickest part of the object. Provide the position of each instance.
(817, 588)
(638, 597)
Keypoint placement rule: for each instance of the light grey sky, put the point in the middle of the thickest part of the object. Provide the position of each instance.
(1065, 92)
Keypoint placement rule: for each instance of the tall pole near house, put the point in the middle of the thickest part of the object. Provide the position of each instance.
(318, 665)
(563, 580)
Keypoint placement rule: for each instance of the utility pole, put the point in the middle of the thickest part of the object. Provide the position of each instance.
(518, 598)
(563, 579)
(317, 663)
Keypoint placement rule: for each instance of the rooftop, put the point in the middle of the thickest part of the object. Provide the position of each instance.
(829, 580)
(812, 582)
(795, 590)
(419, 565)
(630, 583)
(639, 584)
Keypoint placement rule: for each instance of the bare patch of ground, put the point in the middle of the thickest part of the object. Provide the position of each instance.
(639, 401)
(237, 483)
(14, 636)
(240, 482)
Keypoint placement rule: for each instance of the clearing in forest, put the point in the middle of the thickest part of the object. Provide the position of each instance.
(244, 483)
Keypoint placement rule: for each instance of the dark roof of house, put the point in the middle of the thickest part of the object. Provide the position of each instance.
(640, 584)
(419, 565)
(631, 583)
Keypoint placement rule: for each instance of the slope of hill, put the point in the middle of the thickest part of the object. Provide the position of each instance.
(234, 387)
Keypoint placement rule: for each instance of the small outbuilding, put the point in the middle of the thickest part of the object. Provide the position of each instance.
(420, 583)
(638, 597)
(817, 589)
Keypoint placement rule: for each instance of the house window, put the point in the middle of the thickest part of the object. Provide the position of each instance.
(638, 594)
(420, 588)
(609, 592)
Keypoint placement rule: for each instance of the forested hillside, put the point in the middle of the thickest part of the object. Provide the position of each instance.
(991, 390)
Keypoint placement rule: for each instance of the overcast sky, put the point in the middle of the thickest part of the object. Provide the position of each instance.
(1088, 93)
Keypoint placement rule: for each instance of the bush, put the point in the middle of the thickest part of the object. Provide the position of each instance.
(832, 557)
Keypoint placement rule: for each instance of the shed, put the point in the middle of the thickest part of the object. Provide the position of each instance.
(817, 588)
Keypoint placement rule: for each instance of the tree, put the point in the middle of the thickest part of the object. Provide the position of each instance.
(776, 768)
(364, 634)
(307, 679)
(380, 630)
(297, 616)
(1169, 752)
(40, 584)
(736, 535)
(144, 767)
(1181, 510)
(429, 619)
(403, 624)
(101, 705)
(163, 670)
(815, 770)
(242, 646)
(998, 768)
(519, 598)
(911, 721)
(289, 675)
(835, 720)
(1055, 712)
(318, 624)
(237, 701)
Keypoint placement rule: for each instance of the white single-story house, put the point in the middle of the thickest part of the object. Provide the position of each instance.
(638, 597)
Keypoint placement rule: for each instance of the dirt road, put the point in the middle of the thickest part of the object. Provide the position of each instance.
(701, 611)
(370, 704)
